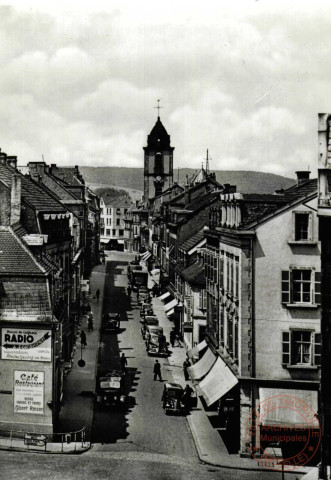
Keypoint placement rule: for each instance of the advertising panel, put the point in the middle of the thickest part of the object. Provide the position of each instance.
(27, 344)
(29, 392)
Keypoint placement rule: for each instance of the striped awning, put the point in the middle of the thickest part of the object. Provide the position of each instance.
(195, 350)
(202, 367)
(170, 305)
(170, 312)
(164, 296)
(145, 256)
(217, 382)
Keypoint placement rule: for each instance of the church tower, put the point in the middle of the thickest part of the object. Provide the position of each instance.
(158, 161)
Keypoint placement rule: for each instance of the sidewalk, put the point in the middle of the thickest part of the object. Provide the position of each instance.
(209, 444)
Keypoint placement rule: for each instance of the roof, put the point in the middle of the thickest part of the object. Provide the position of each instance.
(32, 192)
(200, 176)
(158, 138)
(15, 257)
(195, 274)
(191, 242)
(118, 202)
(257, 206)
(68, 175)
(25, 300)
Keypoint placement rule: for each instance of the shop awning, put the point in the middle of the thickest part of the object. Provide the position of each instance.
(193, 352)
(170, 305)
(145, 256)
(217, 383)
(202, 367)
(164, 296)
(170, 312)
(298, 401)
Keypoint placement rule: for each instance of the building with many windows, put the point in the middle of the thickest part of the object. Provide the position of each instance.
(113, 213)
(262, 267)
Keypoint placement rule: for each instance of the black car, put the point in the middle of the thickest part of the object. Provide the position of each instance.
(111, 322)
(110, 388)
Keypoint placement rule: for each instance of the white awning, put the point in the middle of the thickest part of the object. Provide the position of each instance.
(298, 401)
(145, 256)
(202, 367)
(170, 312)
(164, 296)
(217, 383)
(193, 352)
(170, 305)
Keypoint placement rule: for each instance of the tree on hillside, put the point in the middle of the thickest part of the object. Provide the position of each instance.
(111, 193)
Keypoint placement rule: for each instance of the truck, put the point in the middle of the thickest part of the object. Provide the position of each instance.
(139, 278)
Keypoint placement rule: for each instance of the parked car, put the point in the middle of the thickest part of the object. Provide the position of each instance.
(149, 320)
(146, 309)
(157, 345)
(152, 330)
(172, 399)
(111, 322)
(110, 388)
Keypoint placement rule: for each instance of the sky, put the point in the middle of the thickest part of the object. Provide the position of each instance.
(246, 79)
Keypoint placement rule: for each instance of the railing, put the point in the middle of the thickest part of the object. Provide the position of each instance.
(45, 442)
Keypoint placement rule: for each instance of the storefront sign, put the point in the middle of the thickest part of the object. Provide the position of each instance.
(26, 344)
(29, 392)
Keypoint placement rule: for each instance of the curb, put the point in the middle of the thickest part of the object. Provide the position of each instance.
(47, 452)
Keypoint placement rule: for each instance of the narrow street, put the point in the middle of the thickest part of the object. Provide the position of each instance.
(140, 442)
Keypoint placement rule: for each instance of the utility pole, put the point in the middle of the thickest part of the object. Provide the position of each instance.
(324, 214)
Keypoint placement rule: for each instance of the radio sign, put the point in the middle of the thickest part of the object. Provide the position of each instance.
(26, 344)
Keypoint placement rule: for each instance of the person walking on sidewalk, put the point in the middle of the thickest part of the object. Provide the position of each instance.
(157, 370)
(129, 291)
(172, 338)
(90, 321)
(83, 339)
(97, 295)
(186, 364)
(124, 362)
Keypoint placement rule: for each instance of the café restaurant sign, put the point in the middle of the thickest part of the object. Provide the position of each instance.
(29, 392)
(26, 344)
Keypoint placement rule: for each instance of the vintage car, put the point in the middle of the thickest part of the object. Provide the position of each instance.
(146, 309)
(111, 322)
(110, 388)
(152, 330)
(172, 399)
(144, 296)
(149, 320)
(157, 344)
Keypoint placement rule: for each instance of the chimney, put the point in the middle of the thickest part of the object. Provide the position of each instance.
(229, 188)
(302, 176)
(15, 199)
(37, 170)
(12, 161)
(3, 157)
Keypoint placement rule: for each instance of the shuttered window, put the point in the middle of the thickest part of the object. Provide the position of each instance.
(317, 348)
(317, 288)
(286, 348)
(286, 286)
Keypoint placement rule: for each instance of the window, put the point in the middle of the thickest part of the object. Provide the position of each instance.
(118, 211)
(301, 348)
(118, 221)
(114, 231)
(121, 233)
(108, 232)
(202, 299)
(301, 286)
(301, 226)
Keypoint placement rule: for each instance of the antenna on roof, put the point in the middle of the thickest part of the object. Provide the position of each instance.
(42, 156)
(158, 108)
(178, 176)
(207, 163)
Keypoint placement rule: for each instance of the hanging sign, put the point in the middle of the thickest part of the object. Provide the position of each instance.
(26, 344)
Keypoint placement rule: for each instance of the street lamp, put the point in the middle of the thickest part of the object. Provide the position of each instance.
(81, 362)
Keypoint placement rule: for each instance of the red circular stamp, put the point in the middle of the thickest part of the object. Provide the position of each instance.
(283, 433)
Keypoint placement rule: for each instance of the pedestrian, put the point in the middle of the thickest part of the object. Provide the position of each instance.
(157, 370)
(90, 322)
(97, 294)
(129, 291)
(83, 339)
(187, 398)
(172, 338)
(186, 364)
(88, 308)
(123, 362)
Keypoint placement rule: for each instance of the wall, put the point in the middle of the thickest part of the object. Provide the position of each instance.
(272, 255)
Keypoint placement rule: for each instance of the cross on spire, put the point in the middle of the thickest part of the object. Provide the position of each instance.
(158, 107)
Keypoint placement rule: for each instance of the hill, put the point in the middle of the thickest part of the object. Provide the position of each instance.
(132, 178)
